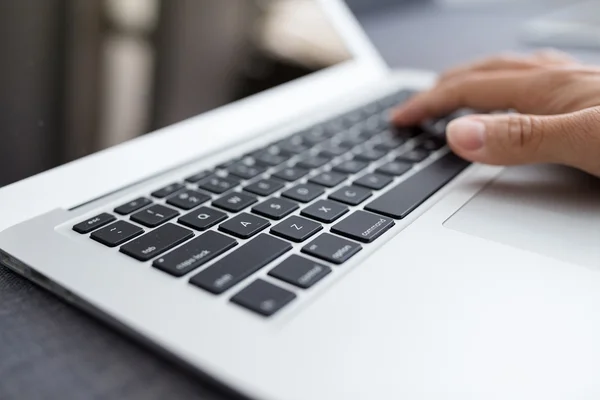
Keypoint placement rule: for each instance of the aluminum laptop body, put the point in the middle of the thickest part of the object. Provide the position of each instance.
(488, 288)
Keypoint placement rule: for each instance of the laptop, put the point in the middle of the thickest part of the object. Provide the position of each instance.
(293, 245)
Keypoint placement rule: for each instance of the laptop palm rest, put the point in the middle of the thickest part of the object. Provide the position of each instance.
(551, 210)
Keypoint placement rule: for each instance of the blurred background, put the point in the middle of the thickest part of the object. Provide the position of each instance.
(77, 76)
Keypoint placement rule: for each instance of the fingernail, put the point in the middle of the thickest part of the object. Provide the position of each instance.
(467, 134)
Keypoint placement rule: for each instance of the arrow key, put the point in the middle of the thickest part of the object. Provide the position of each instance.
(244, 226)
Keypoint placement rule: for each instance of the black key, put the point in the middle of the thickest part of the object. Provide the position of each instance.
(351, 140)
(368, 154)
(328, 179)
(414, 156)
(188, 199)
(401, 135)
(350, 167)
(217, 184)
(244, 171)
(168, 190)
(94, 223)
(296, 229)
(203, 218)
(300, 272)
(296, 140)
(435, 126)
(263, 298)
(432, 144)
(244, 226)
(240, 264)
(271, 160)
(408, 195)
(304, 193)
(275, 208)
(404, 132)
(336, 126)
(332, 151)
(375, 124)
(291, 174)
(372, 108)
(198, 177)
(313, 162)
(394, 168)
(226, 164)
(117, 233)
(374, 181)
(389, 143)
(326, 211)
(292, 146)
(331, 248)
(248, 161)
(194, 254)
(133, 206)
(363, 226)
(365, 130)
(156, 242)
(345, 143)
(351, 195)
(264, 187)
(235, 202)
(314, 136)
(274, 150)
(154, 216)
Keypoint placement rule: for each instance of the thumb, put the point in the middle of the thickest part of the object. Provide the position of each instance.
(510, 139)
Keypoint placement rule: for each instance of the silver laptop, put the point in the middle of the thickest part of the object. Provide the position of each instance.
(293, 245)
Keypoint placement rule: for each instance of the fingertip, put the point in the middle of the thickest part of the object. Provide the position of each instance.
(408, 114)
(466, 135)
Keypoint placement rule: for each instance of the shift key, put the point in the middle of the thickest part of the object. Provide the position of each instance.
(240, 264)
(194, 254)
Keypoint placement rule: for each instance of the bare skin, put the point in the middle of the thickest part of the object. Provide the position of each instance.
(557, 104)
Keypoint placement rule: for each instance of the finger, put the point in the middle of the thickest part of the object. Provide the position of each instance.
(554, 57)
(510, 139)
(481, 91)
(546, 57)
(492, 64)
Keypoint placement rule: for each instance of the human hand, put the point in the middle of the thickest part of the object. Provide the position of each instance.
(558, 105)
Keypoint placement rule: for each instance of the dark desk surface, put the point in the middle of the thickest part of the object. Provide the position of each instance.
(49, 350)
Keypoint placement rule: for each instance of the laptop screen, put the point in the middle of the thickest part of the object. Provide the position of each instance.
(81, 76)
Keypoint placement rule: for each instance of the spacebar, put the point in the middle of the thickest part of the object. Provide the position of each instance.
(240, 264)
(409, 194)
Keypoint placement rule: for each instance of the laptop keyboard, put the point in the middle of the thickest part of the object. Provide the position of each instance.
(186, 225)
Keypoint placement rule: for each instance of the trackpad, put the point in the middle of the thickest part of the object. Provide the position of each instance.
(550, 210)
